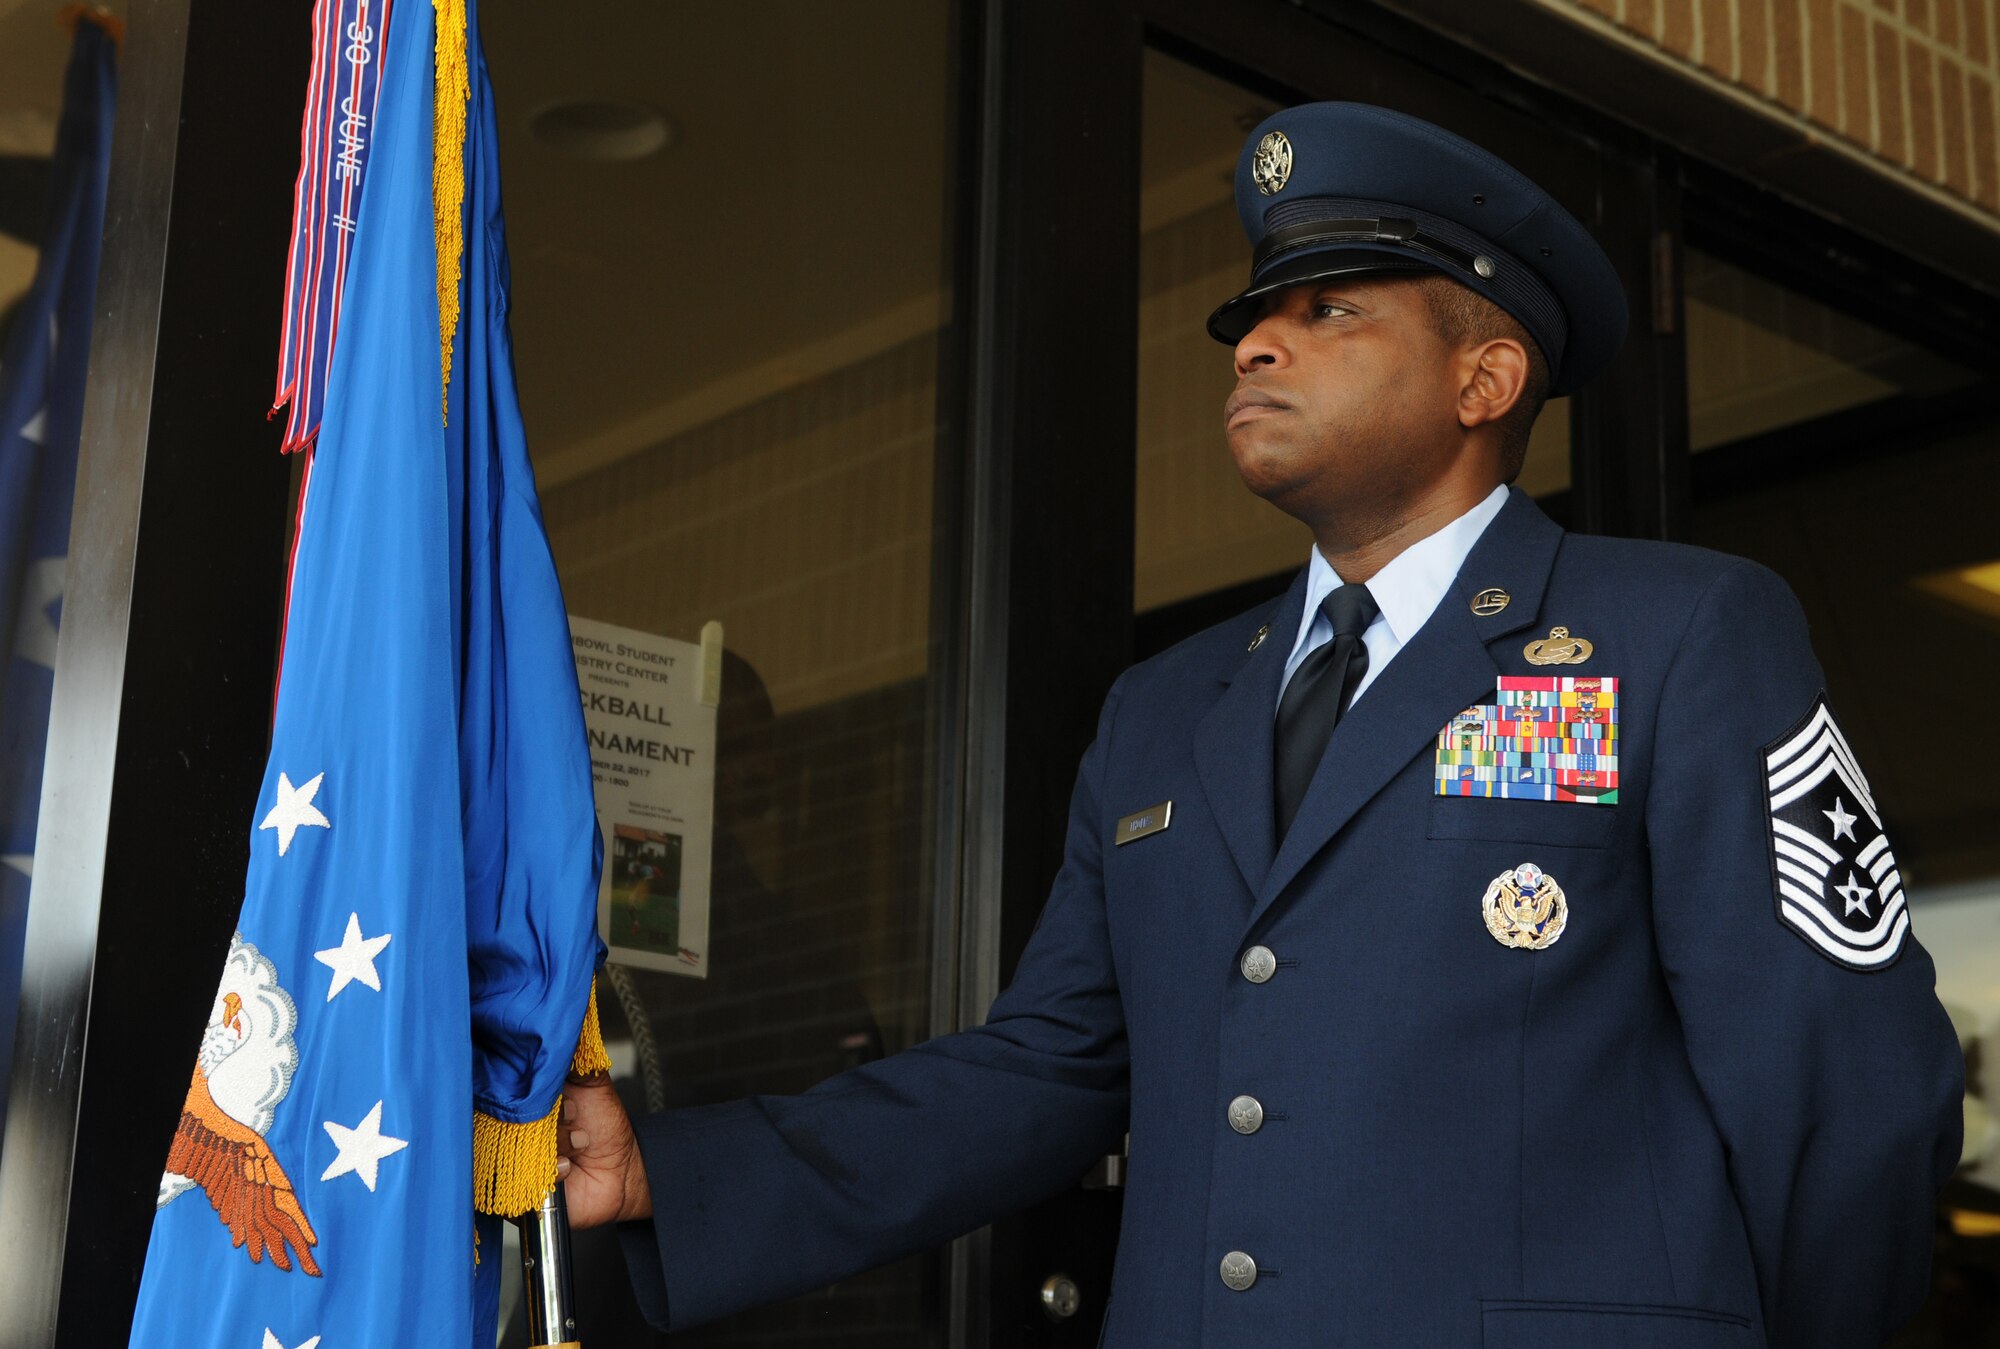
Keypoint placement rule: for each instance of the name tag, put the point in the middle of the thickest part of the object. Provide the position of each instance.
(1140, 823)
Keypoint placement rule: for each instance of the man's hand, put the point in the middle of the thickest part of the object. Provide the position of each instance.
(598, 1159)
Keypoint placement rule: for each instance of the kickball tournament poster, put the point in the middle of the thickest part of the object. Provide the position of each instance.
(649, 706)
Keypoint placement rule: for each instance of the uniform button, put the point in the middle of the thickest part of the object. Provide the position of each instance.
(1239, 1271)
(1259, 964)
(1246, 1114)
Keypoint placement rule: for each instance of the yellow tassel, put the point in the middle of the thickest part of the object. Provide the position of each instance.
(448, 173)
(591, 1057)
(514, 1165)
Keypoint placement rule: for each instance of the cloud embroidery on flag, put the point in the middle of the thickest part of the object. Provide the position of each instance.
(1834, 872)
(241, 1075)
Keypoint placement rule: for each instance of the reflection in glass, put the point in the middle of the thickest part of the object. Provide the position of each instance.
(55, 154)
(728, 332)
(1761, 356)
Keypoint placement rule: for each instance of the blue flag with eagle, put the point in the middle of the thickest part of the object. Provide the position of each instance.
(410, 979)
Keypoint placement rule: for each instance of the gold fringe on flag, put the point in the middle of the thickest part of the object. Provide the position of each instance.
(514, 1165)
(454, 88)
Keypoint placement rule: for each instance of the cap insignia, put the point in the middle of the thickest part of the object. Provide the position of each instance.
(1271, 166)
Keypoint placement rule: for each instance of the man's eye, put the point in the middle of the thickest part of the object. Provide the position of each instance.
(1324, 310)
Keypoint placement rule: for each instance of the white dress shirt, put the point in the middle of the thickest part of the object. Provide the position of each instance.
(1406, 591)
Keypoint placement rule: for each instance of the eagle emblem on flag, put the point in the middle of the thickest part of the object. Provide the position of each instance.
(242, 1072)
(1835, 874)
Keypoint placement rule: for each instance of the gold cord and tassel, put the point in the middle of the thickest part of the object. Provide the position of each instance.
(514, 1165)
(453, 90)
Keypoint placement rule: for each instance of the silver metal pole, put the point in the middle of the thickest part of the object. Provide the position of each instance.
(545, 1275)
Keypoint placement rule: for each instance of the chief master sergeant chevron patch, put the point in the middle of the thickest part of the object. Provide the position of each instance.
(1836, 878)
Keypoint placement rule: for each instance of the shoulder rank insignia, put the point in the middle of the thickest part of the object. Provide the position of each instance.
(1525, 908)
(1836, 878)
(1558, 648)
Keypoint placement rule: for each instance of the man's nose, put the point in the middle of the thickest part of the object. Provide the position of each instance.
(1263, 347)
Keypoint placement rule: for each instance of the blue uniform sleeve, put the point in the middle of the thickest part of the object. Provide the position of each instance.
(764, 1198)
(1834, 1078)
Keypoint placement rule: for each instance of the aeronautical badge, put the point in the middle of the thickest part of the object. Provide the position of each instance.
(242, 1073)
(1836, 878)
(1525, 908)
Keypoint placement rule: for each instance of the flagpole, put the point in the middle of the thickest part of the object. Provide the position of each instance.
(545, 1274)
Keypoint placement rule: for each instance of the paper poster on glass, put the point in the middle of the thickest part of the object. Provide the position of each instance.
(649, 706)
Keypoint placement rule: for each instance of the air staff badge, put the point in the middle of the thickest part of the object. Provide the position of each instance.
(1525, 909)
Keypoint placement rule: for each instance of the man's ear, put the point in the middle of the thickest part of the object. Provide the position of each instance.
(1496, 376)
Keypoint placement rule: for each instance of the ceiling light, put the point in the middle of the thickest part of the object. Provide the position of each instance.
(1976, 588)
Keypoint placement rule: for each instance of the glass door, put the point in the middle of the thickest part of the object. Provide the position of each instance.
(731, 258)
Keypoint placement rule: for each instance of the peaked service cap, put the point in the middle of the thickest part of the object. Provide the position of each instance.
(1332, 189)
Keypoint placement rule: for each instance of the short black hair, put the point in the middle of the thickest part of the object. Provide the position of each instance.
(1463, 317)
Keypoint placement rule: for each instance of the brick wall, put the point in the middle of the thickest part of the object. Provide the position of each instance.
(1914, 84)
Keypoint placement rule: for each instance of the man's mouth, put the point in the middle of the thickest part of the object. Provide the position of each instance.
(1249, 402)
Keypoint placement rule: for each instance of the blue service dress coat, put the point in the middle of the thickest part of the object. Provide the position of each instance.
(1690, 1123)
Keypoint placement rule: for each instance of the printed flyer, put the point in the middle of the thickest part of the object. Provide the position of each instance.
(649, 707)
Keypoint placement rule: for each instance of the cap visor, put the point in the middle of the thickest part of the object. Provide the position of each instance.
(1232, 322)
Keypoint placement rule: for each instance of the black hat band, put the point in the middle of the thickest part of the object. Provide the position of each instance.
(1370, 230)
(1310, 224)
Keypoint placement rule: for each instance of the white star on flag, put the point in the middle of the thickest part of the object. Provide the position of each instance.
(294, 810)
(1843, 823)
(353, 959)
(1855, 893)
(34, 430)
(271, 1341)
(35, 628)
(361, 1147)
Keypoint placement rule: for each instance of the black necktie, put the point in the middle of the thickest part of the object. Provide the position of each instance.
(1320, 690)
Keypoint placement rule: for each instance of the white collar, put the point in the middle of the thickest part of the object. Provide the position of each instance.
(1410, 587)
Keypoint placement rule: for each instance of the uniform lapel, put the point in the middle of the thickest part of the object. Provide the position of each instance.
(1444, 669)
(1233, 747)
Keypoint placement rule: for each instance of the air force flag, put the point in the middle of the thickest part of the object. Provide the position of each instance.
(412, 966)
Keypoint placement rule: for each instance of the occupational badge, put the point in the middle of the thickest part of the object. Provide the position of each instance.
(241, 1076)
(1271, 163)
(1525, 909)
(1558, 648)
(1834, 872)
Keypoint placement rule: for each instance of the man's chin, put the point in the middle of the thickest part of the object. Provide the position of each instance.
(1272, 473)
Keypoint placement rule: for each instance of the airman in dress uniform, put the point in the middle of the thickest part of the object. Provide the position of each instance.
(1493, 942)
